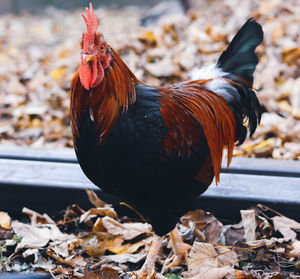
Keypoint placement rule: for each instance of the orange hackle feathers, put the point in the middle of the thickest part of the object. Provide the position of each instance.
(189, 106)
(116, 92)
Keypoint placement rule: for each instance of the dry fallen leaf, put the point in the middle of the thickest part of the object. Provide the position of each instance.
(226, 257)
(234, 234)
(117, 246)
(31, 252)
(127, 230)
(72, 260)
(291, 56)
(249, 224)
(295, 249)
(204, 262)
(207, 227)
(286, 227)
(104, 273)
(93, 246)
(5, 221)
(103, 211)
(94, 199)
(59, 73)
(60, 248)
(37, 236)
(37, 218)
(265, 242)
(124, 258)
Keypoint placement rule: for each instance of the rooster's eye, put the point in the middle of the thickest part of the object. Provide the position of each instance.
(102, 48)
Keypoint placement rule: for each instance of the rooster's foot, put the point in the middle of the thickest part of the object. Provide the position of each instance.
(148, 269)
(180, 250)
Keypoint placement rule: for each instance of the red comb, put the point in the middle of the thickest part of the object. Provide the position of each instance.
(91, 22)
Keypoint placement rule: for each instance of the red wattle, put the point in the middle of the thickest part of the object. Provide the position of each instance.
(97, 73)
(85, 74)
(91, 74)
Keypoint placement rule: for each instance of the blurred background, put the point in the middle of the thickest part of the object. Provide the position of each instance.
(161, 41)
(17, 6)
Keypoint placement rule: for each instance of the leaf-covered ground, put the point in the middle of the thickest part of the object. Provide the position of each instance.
(38, 57)
(40, 53)
(99, 244)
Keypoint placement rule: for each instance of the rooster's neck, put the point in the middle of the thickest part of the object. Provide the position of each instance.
(106, 101)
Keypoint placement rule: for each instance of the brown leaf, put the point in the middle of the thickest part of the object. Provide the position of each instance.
(295, 249)
(104, 211)
(235, 235)
(226, 257)
(239, 274)
(97, 250)
(98, 226)
(207, 227)
(291, 56)
(126, 258)
(103, 273)
(73, 260)
(265, 242)
(199, 217)
(37, 218)
(61, 249)
(94, 199)
(249, 224)
(127, 230)
(205, 263)
(286, 227)
(94, 244)
(117, 246)
(37, 236)
(213, 231)
(148, 38)
(59, 73)
(5, 221)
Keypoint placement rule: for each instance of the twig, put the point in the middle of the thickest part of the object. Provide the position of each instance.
(49, 269)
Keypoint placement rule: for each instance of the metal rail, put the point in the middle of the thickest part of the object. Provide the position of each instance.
(50, 180)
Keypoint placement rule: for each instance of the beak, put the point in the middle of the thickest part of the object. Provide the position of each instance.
(88, 57)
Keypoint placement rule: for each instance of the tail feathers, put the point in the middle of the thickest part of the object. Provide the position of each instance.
(232, 78)
(240, 58)
(245, 106)
(238, 62)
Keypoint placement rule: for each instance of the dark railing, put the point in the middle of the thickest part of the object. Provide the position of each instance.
(49, 180)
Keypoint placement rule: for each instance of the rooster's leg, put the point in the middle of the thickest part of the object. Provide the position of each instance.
(180, 249)
(148, 269)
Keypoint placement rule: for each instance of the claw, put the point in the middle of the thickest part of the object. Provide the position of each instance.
(180, 250)
(148, 269)
(190, 231)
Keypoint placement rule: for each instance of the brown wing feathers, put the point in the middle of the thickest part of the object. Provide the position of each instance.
(190, 105)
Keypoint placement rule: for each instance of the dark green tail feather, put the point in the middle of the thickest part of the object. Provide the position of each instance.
(239, 61)
(240, 58)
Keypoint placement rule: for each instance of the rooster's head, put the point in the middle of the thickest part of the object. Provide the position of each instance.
(95, 54)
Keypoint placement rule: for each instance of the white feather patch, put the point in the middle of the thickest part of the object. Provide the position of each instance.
(208, 72)
(218, 84)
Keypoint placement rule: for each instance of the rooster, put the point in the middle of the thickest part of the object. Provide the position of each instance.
(159, 148)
